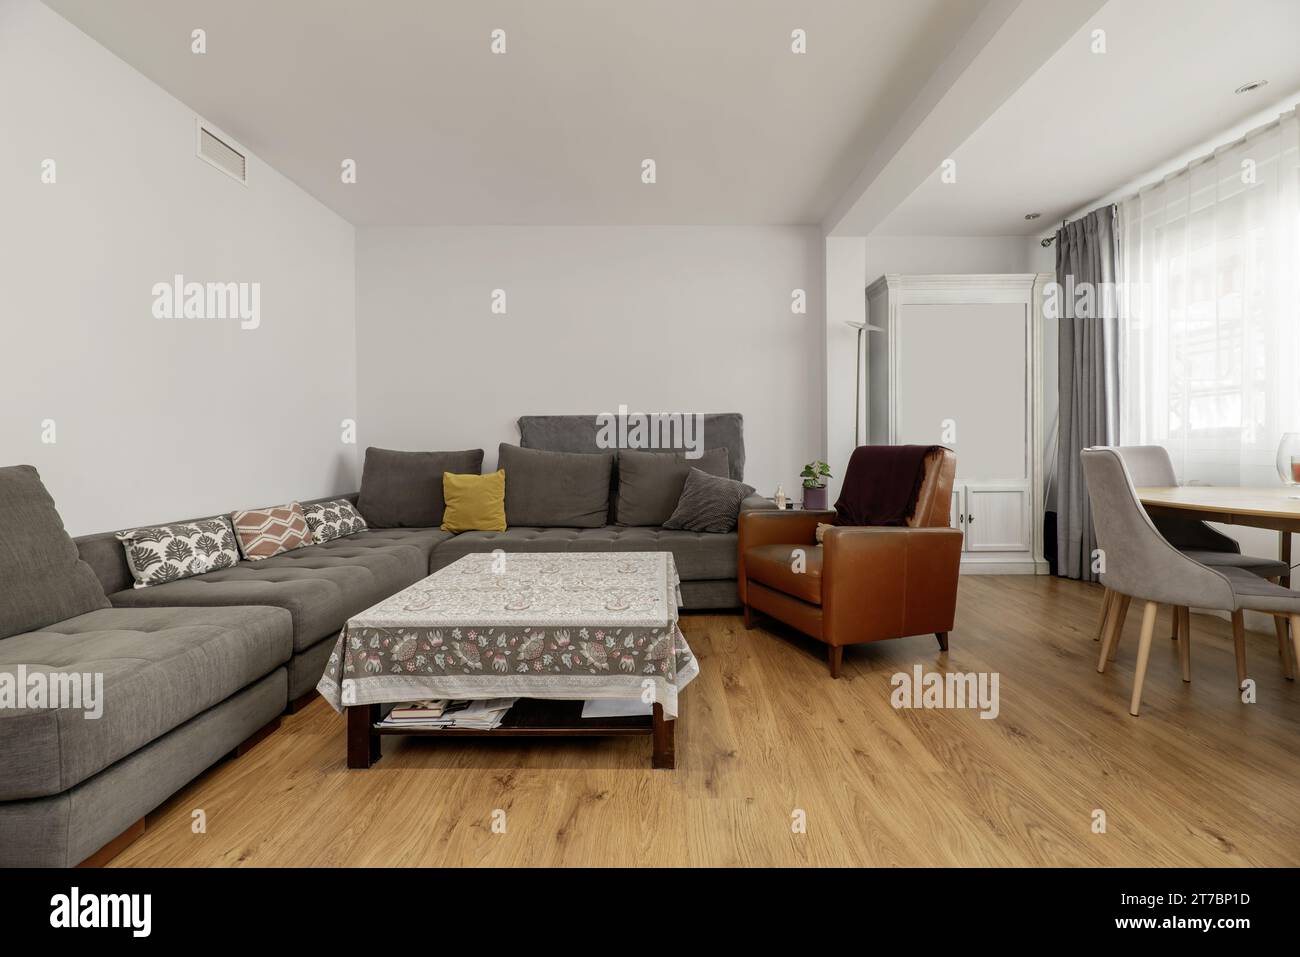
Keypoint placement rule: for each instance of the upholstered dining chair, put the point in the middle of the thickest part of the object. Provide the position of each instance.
(863, 583)
(1150, 465)
(1140, 563)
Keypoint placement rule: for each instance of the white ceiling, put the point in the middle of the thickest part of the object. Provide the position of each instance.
(553, 132)
(1086, 124)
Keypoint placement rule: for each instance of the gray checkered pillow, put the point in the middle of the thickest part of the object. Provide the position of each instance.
(709, 503)
(331, 520)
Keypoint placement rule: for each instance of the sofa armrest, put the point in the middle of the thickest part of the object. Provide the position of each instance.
(889, 582)
(774, 527)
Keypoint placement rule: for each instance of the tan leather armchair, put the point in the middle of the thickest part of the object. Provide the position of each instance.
(862, 583)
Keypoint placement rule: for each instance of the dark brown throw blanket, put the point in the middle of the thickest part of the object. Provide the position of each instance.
(882, 484)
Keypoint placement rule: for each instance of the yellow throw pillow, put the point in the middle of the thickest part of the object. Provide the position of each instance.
(475, 503)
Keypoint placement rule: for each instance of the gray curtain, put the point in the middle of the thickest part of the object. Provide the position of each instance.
(1087, 251)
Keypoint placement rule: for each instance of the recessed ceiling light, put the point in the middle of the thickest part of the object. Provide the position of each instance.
(1253, 85)
(1032, 215)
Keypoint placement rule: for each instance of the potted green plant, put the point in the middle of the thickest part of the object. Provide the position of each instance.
(814, 477)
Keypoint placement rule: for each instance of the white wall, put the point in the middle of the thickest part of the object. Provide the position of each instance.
(157, 419)
(660, 319)
(947, 254)
(846, 285)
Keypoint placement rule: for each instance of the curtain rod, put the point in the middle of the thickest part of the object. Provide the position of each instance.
(1185, 168)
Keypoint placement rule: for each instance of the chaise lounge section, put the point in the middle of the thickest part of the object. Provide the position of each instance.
(320, 586)
(171, 690)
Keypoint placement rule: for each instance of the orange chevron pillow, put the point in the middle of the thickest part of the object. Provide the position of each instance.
(263, 532)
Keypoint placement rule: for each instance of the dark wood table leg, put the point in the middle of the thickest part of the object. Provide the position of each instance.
(1284, 553)
(363, 742)
(664, 750)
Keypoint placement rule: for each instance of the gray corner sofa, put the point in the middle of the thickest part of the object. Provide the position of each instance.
(193, 668)
(173, 689)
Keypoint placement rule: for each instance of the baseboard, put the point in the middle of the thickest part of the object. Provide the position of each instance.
(1004, 568)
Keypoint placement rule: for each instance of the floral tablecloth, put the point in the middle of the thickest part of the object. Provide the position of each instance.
(540, 625)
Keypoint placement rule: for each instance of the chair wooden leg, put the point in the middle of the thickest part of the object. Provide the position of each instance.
(1107, 600)
(1184, 618)
(1175, 619)
(834, 658)
(1284, 647)
(1108, 631)
(1121, 616)
(1110, 644)
(1144, 654)
(1295, 639)
(749, 618)
(1239, 645)
(943, 640)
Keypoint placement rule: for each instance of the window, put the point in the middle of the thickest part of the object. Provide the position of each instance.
(1210, 343)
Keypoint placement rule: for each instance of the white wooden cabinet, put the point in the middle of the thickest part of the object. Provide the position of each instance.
(956, 361)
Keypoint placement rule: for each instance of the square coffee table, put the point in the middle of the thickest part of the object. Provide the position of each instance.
(553, 629)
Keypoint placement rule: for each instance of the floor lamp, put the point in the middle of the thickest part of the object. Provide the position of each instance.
(862, 327)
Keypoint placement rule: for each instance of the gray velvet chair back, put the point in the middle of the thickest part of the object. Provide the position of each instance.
(1138, 561)
(1151, 466)
(1148, 465)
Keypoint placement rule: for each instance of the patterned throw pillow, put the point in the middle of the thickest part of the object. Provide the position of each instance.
(166, 553)
(264, 532)
(331, 520)
(709, 503)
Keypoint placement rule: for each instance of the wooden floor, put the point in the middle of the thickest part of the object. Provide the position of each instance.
(1199, 779)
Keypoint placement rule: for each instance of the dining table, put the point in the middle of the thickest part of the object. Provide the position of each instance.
(1272, 507)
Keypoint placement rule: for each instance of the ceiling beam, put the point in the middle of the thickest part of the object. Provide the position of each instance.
(1004, 47)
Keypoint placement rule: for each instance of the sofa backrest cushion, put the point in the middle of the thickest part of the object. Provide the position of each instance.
(42, 577)
(591, 433)
(650, 483)
(104, 553)
(555, 489)
(404, 489)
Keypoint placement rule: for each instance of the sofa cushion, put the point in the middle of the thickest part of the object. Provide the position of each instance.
(266, 532)
(474, 502)
(158, 554)
(650, 483)
(709, 503)
(322, 586)
(42, 576)
(699, 556)
(404, 489)
(160, 667)
(331, 520)
(422, 538)
(555, 489)
(777, 566)
(590, 433)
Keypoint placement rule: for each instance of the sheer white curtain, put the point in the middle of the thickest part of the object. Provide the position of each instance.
(1210, 342)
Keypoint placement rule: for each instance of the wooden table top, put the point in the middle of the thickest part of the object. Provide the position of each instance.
(1281, 501)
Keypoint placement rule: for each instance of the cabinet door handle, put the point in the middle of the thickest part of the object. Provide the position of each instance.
(970, 518)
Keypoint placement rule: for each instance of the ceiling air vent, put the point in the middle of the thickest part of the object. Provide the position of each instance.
(222, 152)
